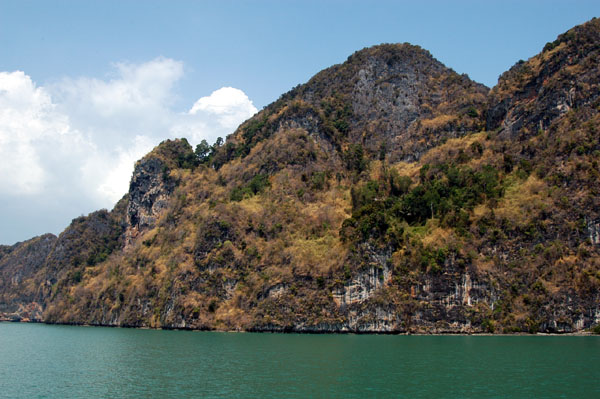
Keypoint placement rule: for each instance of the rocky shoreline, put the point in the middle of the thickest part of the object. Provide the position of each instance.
(15, 318)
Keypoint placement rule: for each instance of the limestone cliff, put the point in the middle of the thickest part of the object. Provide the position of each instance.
(387, 194)
(20, 265)
(149, 192)
(151, 186)
(534, 93)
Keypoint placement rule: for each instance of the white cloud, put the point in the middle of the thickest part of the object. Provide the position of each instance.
(136, 101)
(228, 104)
(27, 120)
(111, 172)
(74, 143)
(216, 115)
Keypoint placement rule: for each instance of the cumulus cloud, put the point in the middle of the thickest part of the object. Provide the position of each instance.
(69, 148)
(110, 171)
(135, 101)
(229, 105)
(215, 115)
(31, 132)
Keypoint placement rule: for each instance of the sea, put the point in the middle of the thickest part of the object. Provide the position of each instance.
(52, 361)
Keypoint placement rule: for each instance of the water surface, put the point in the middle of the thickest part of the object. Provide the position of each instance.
(42, 361)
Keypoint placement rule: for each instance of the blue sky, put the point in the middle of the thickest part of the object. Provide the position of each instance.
(267, 47)
(87, 87)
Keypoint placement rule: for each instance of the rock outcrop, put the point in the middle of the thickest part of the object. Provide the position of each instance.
(534, 93)
(394, 98)
(20, 268)
(370, 199)
(149, 193)
(151, 186)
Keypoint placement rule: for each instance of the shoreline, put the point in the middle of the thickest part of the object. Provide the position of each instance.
(315, 332)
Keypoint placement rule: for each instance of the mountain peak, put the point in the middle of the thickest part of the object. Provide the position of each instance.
(392, 53)
(401, 86)
(172, 154)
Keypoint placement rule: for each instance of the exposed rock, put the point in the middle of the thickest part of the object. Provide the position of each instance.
(593, 228)
(86, 241)
(276, 290)
(395, 92)
(149, 193)
(151, 186)
(534, 93)
(362, 286)
(395, 97)
(20, 264)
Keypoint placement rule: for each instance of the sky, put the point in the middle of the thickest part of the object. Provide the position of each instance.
(89, 87)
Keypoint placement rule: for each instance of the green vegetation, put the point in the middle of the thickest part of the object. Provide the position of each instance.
(445, 192)
(255, 186)
(409, 200)
(355, 158)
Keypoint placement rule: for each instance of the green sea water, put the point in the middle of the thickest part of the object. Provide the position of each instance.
(43, 361)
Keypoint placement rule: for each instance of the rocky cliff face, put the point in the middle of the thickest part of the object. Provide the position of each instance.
(151, 186)
(593, 227)
(403, 96)
(392, 98)
(20, 268)
(149, 193)
(34, 272)
(370, 199)
(88, 240)
(533, 94)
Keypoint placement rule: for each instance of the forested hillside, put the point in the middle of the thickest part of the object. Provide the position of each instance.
(387, 194)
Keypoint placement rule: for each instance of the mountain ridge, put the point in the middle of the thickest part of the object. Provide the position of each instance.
(387, 194)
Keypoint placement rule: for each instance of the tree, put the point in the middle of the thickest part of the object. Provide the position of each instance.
(203, 151)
